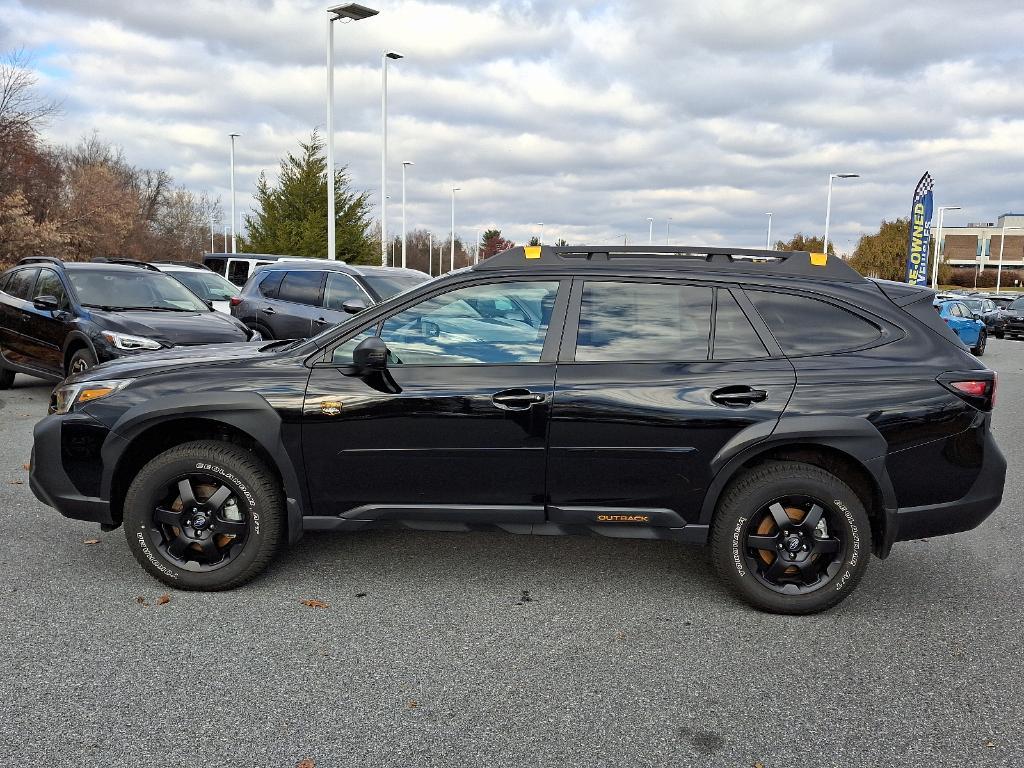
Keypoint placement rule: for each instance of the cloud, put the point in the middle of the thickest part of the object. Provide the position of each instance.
(588, 116)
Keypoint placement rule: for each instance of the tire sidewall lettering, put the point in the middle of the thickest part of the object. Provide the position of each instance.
(237, 483)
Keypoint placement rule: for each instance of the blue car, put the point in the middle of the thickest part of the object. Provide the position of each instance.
(964, 324)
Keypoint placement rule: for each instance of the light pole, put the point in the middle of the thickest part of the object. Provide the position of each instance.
(1002, 242)
(346, 13)
(768, 237)
(430, 253)
(394, 56)
(938, 242)
(405, 164)
(213, 247)
(828, 205)
(226, 240)
(234, 237)
(454, 190)
(541, 238)
(650, 233)
(668, 231)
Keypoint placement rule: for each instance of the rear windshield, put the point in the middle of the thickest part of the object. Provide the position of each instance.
(387, 286)
(133, 289)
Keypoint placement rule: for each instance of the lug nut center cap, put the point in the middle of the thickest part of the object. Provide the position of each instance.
(793, 543)
(199, 522)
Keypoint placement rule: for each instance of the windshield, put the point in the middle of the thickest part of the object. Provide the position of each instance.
(206, 285)
(133, 289)
(974, 304)
(388, 285)
(1017, 305)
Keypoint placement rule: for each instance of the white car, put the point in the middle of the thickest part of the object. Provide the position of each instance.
(203, 282)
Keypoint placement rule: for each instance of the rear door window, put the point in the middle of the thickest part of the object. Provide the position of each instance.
(302, 287)
(270, 284)
(735, 337)
(21, 283)
(805, 326)
(635, 321)
(217, 265)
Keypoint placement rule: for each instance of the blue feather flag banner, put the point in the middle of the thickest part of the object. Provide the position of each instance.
(920, 232)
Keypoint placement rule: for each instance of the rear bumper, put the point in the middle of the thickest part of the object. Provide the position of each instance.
(49, 480)
(906, 523)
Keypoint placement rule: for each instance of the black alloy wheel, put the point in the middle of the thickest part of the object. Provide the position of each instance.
(201, 523)
(793, 546)
(81, 361)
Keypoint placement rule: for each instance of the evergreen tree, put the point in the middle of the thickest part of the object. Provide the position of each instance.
(291, 215)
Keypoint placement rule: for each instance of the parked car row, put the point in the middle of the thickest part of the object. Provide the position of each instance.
(59, 318)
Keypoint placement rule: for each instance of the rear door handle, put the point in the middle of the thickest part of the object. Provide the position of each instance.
(738, 396)
(517, 399)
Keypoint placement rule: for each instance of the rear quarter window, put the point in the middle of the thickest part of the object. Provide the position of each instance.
(270, 284)
(805, 326)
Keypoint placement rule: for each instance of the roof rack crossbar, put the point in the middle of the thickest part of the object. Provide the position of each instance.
(125, 263)
(743, 260)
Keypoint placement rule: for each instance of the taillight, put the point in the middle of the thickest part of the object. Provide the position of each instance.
(977, 390)
(234, 301)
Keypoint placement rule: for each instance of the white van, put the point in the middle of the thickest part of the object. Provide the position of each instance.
(237, 267)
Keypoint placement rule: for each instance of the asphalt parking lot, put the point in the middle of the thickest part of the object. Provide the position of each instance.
(498, 650)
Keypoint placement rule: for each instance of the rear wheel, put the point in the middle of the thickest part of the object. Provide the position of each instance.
(205, 515)
(979, 348)
(790, 538)
(6, 378)
(81, 361)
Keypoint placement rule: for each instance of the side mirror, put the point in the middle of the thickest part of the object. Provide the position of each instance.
(370, 355)
(46, 303)
(354, 306)
(208, 303)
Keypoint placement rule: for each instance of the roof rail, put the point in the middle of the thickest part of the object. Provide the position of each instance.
(182, 263)
(40, 260)
(125, 262)
(746, 261)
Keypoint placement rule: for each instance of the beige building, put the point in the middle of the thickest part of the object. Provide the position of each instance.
(977, 245)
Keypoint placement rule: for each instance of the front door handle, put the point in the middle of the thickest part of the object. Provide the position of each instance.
(517, 399)
(269, 310)
(738, 396)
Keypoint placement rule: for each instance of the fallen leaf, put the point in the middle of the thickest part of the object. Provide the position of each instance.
(360, 594)
(758, 764)
(989, 744)
(164, 599)
(413, 704)
(91, 541)
(314, 603)
(307, 763)
(26, 466)
(15, 482)
(140, 600)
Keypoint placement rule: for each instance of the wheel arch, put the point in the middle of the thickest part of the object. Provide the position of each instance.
(248, 421)
(849, 448)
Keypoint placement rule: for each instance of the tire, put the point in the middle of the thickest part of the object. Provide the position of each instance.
(264, 331)
(999, 334)
(6, 378)
(245, 529)
(81, 361)
(744, 510)
(979, 349)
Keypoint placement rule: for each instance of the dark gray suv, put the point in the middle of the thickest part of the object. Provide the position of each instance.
(296, 299)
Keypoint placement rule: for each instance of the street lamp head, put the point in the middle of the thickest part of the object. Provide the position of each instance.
(408, 162)
(234, 135)
(456, 189)
(394, 55)
(351, 11)
(846, 175)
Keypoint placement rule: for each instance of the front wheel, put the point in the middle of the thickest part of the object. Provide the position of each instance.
(204, 515)
(979, 348)
(81, 361)
(6, 378)
(790, 538)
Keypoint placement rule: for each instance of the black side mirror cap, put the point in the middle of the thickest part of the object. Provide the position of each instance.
(46, 303)
(370, 355)
(354, 306)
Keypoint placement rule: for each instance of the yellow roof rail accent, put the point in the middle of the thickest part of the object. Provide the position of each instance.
(819, 259)
(532, 251)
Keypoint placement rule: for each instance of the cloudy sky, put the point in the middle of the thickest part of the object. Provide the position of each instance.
(588, 116)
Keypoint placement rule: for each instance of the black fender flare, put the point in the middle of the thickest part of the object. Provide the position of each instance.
(853, 436)
(247, 412)
(76, 336)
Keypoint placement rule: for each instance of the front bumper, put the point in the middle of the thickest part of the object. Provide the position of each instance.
(964, 514)
(54, 453)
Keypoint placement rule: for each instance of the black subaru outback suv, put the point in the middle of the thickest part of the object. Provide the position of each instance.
(778, 406)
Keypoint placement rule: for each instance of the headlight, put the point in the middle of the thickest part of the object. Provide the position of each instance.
(70, 395)
(130, 343)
